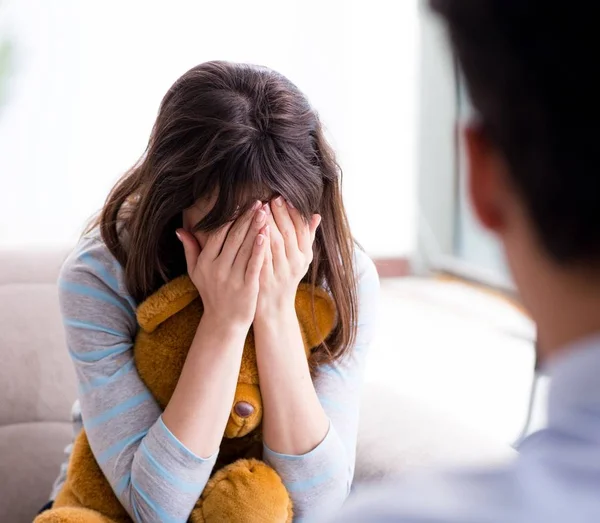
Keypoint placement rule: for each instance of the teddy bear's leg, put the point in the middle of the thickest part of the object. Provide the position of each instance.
(86, 495)
(72, 515)
(247, 491)
(68, 509)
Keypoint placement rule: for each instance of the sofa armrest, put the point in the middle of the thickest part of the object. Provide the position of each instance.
(398, 434)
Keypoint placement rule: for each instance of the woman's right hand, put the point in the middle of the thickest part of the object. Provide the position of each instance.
(226, 271)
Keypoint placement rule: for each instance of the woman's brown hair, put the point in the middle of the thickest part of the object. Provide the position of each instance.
(241, 132)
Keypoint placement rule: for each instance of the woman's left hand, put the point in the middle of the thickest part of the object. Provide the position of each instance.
(287, 257)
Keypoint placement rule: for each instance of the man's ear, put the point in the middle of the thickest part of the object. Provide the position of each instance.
(485, 180)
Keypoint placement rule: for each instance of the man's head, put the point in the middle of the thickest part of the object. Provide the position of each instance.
(529, 66)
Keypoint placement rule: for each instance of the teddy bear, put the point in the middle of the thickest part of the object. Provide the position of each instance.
(167, 323)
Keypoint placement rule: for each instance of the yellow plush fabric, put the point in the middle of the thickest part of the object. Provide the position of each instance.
(242, 488)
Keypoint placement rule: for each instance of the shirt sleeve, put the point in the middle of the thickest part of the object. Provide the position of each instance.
(319, 482)
(154, 475)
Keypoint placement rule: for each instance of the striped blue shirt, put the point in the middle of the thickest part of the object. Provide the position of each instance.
(154, 475)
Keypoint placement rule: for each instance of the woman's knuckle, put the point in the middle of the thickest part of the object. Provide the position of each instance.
(203, 262)
(221, 275)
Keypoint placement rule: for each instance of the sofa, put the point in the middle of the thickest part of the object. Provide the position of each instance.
(38, 386)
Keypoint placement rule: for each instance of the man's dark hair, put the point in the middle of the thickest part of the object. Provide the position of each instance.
(529, 66)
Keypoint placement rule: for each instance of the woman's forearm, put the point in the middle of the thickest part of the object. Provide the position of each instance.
(201, 403)
(293, 421)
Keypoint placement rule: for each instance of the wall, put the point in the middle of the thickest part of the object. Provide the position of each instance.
(89, 77)
(437, 141)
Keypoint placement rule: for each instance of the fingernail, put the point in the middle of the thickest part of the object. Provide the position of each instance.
(178, 234)
(256, 205)
(290, 204)
(279, 201)
(267, 208)
(260, 216)
(267, 230)
(260, 239)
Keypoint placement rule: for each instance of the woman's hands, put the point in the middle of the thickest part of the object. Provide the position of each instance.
(226, 271)
(250, 269)
(248, 273)
(287, 257)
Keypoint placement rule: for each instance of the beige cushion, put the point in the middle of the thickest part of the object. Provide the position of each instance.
(31, 265)
(37, 382)
(30, 455)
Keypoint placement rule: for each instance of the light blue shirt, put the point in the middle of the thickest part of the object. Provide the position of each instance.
(555, 478)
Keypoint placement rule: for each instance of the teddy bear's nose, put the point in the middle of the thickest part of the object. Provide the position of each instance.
(243, 409)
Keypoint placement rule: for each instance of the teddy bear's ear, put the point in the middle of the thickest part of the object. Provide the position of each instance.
(317, 323)
(165, 302)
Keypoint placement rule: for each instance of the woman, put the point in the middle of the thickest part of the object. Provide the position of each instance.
(238, 173)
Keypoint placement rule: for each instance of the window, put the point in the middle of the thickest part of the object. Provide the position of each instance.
(450, 240)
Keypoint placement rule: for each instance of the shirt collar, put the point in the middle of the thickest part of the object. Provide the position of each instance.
(575, 381)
